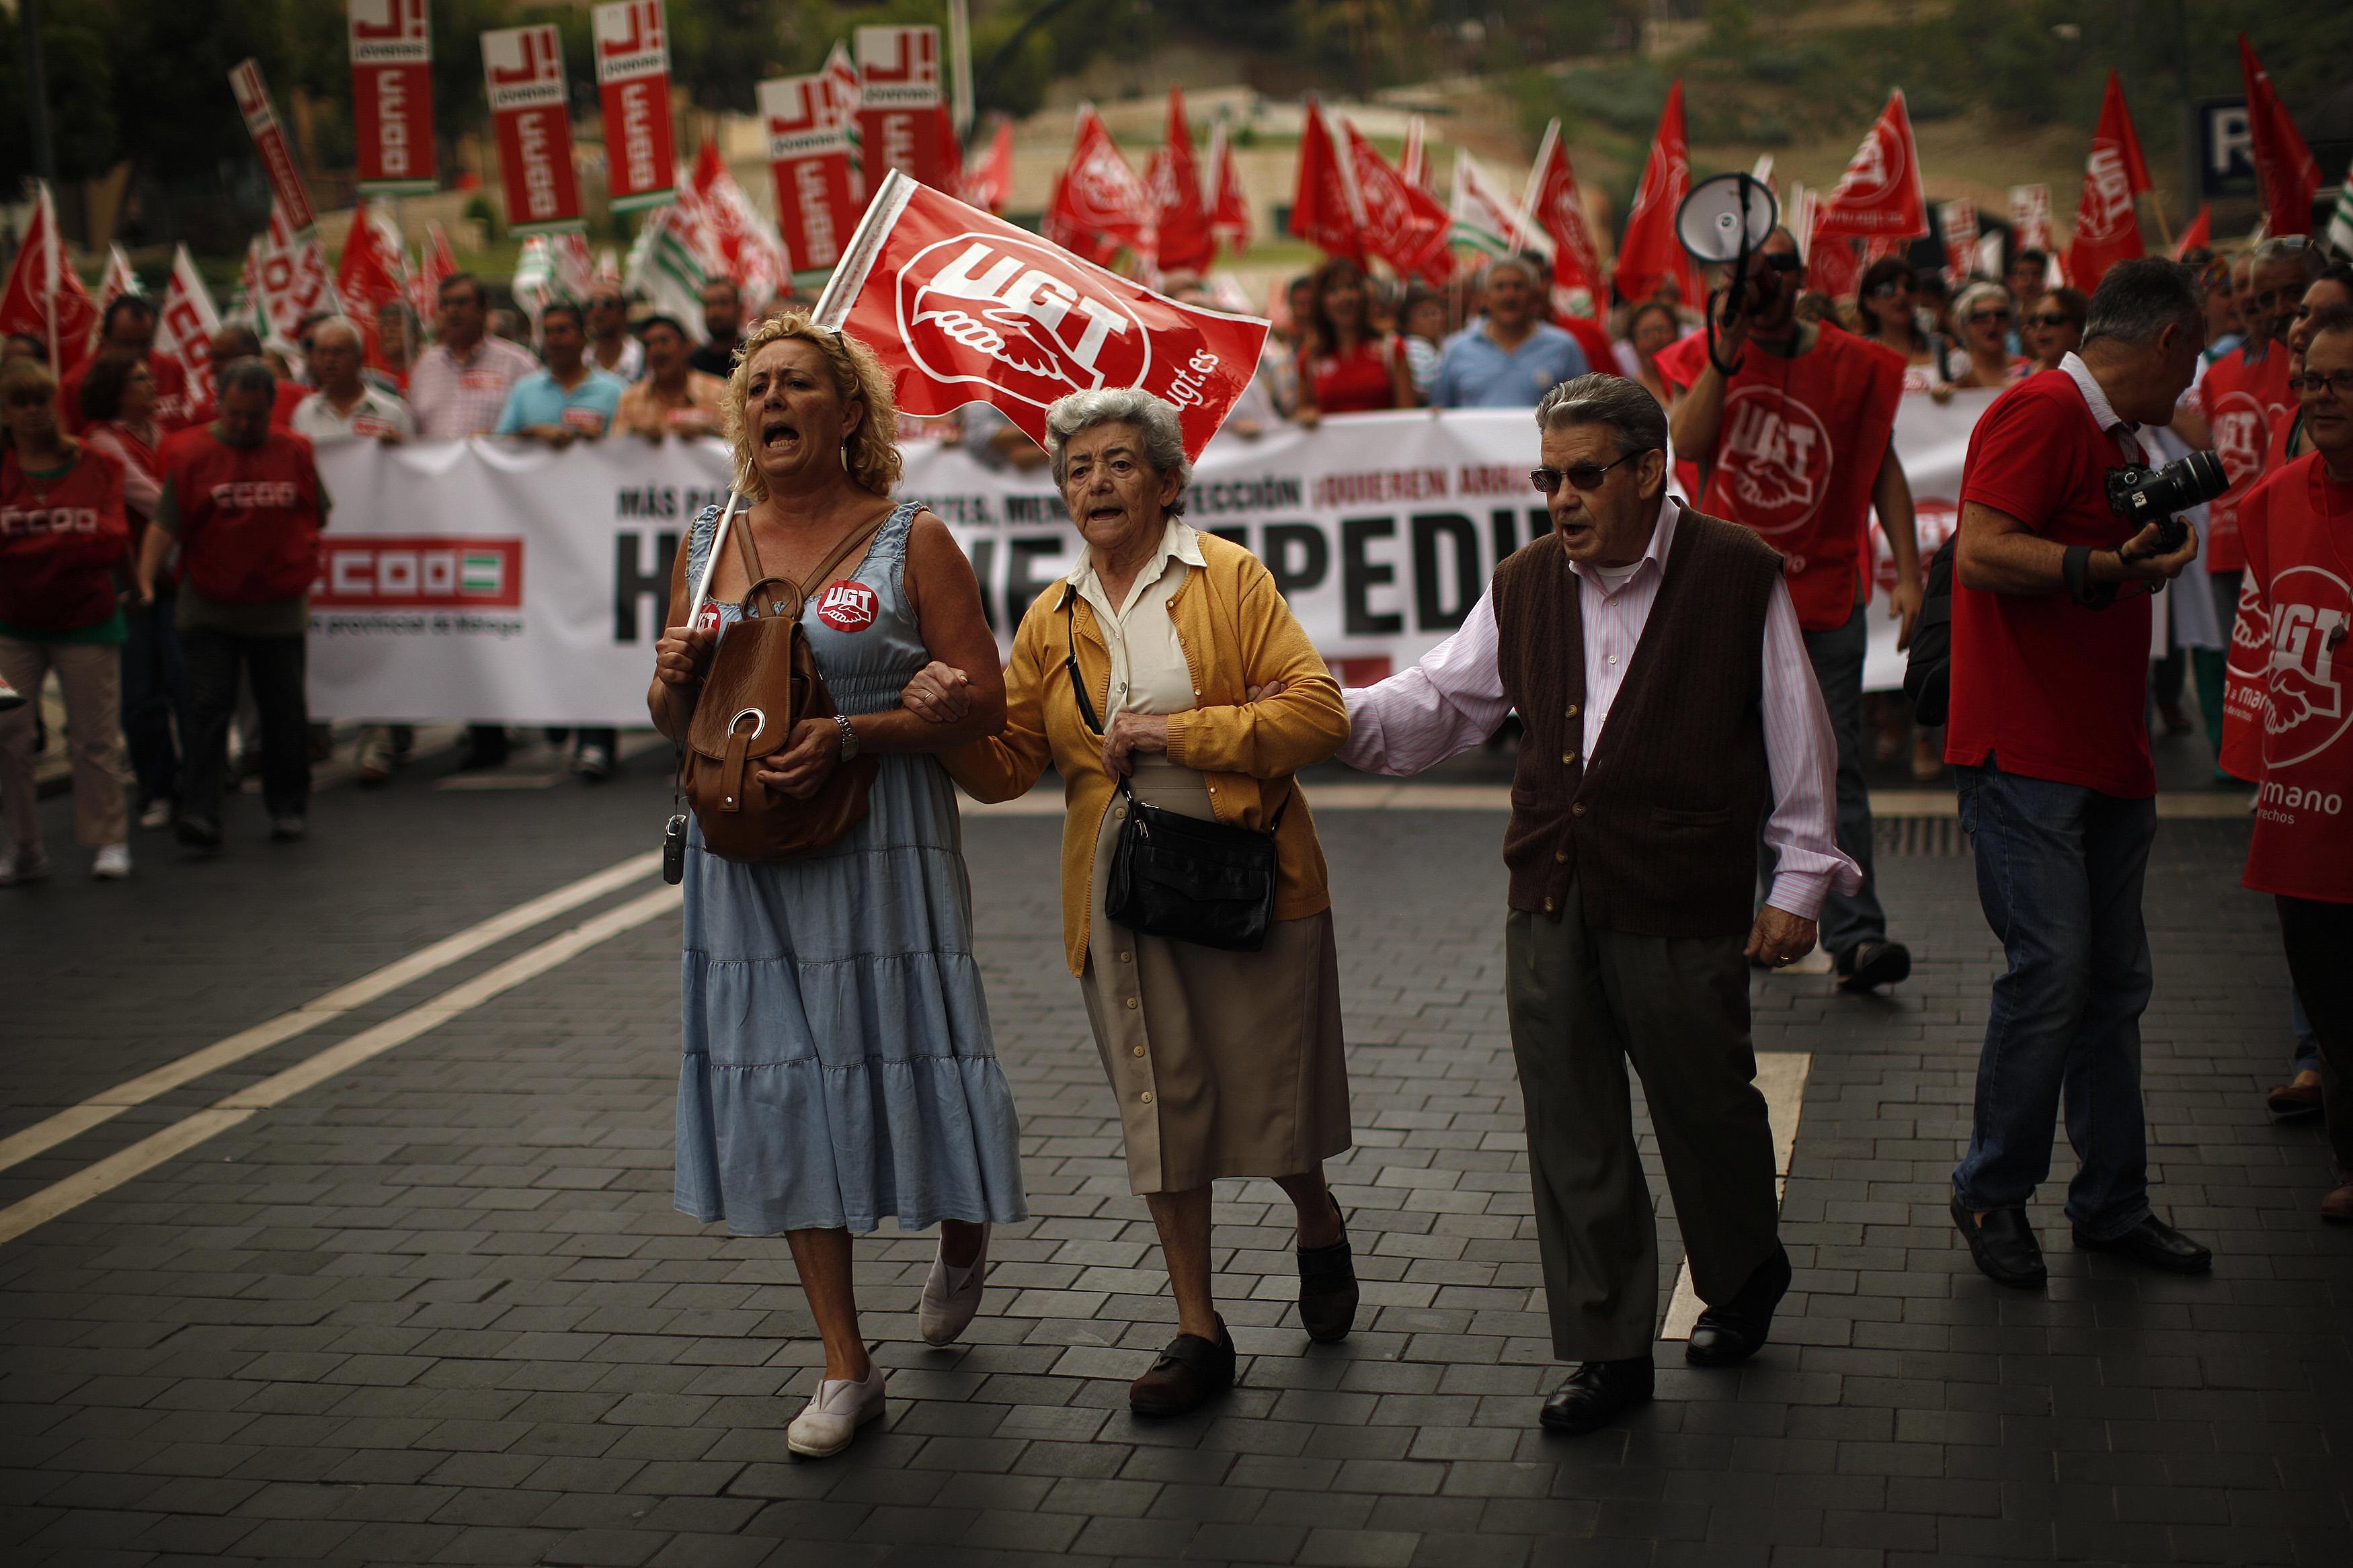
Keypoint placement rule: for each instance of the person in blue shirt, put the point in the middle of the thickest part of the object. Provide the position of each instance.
(1509, 358)
(571, 400)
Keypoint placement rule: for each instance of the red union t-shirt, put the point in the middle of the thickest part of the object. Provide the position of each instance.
(249, 516)
(60, 539)
(2042, 686)
(2286, 728)
(2242, 401)
(1796, 456)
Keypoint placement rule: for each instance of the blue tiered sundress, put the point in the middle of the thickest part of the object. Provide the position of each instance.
(839, 1064)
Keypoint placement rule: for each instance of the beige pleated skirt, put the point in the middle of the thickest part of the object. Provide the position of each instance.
(1225, 1064)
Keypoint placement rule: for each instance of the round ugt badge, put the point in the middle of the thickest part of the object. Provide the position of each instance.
(846, 607)
(706, 619)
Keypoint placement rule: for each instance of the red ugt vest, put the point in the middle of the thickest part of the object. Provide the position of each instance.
(2242, 403)
(248, 515)
(59, 541)
(2287, 725)
(1796, 456)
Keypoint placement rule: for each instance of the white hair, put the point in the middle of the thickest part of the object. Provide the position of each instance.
(339, 324)
(1164, 437)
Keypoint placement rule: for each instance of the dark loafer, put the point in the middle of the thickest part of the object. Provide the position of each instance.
(200, 833)
(1867, 965)
(1598, 1393)
(2156, 1244)
(2004, 1246)
(1733, 1331)
(2294, 1101)
(1189, 1374)
(1327, 1288)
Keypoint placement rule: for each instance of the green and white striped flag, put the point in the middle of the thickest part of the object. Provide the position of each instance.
(664, 270)
(1485, 213)
(2340, 222)
(484, 575)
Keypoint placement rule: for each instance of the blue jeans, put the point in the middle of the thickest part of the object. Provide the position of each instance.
(2059, 877)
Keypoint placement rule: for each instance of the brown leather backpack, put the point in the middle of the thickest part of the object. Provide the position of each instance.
(762, 681)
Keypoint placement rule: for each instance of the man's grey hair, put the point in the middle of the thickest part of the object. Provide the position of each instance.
(249, 374)
(339, 324)
(2137, 300)
(1163, 438)
(1525, 263)
(1633, 415)
(2294, 249)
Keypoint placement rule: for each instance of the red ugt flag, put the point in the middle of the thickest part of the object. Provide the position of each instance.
(2283, 165)
(1404, 225)
(1182, 226)
(1324, 210)
(1879, 197)
(965, 308)
(1649, 252)
(44, 297)
(1099, 201)
(2107, 224)
(1228, 207)
(1554, 201)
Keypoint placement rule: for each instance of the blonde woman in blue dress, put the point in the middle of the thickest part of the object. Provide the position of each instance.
(838, 1065)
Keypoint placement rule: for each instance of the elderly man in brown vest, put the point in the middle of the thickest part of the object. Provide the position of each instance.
(1655, 659)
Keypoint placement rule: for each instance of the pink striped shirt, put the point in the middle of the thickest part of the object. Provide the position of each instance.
(1454, 699)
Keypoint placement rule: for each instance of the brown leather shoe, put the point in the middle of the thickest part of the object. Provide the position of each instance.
(2294, 1101)
(1327, 1288)
(2338, 1206)
(1189, 1374)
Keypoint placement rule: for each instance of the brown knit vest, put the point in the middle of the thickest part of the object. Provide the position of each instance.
(1659, 829)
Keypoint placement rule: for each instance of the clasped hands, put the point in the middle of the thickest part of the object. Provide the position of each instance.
(942, 694)
(810, 752)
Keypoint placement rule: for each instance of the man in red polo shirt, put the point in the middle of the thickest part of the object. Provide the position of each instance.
(2050, 749)
(1798, 445)
(2287, 728)
(242, 501)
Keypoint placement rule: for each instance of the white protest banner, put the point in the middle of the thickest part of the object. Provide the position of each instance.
(392, 96)
(1933, 440)
(491, 579)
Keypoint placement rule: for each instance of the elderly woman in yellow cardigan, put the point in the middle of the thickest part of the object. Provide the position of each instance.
(1210, 698)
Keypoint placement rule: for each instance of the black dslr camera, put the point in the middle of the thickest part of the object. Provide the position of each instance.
(2142, 496)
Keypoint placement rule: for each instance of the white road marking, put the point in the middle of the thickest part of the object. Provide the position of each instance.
(1386, 794)
(177, 1138)
(1781, 1074)
(105, 1106)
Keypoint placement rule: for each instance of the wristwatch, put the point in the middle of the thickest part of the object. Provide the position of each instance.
(848, 738)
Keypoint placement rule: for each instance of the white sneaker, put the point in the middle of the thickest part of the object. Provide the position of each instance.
(834, 1413)
(374, 761)
(113, 863)
(158, 814)
(951, 1295)
(593, 764)
(29, 863)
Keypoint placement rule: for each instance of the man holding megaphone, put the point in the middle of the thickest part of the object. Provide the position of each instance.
(1792, 423)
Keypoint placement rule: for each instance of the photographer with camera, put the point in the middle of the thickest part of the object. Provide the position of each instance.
(2052, 573)
(1797, 444)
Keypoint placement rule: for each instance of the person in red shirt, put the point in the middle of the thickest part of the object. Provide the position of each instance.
(2050, 752)
(2287, 728)
(242, 501)
(130, 324)
(64, 542)
(1346, 364)
(1798, 445)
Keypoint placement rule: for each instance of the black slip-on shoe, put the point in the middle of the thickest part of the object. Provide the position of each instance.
(1735, 1331)
(1190, 1372)
(2004, 1247)
(1598, 1393)
(2156, 1244)
(1327, 1288)
(1867, 965)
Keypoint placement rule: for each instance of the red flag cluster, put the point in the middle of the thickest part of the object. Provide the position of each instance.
(2107, 214)
(1171, 216)
(1649, 255)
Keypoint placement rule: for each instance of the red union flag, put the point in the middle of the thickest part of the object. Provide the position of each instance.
(270, 140)
(2285, 171)
(1649, 255)
(903, 115)
(392, 96)
(1404, 225)
(523, 68)
(2107, 225)
(965, 308)
(989, 183)
(809, 154)
(1325, 211)
(43, 297)
(1229, 214)
(1879, 197)
(184, 329)
(632, 45)
(1100, 201)
(1554, 201)
(1180, 222)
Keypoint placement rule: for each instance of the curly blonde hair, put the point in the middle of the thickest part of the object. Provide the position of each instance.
(871, 452)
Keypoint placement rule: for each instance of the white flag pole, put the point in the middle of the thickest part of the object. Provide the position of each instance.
(960, 104)
(1534, 193)
(710, 563)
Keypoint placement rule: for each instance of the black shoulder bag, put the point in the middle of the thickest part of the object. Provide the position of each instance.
(1179, 877)
(1927, 672)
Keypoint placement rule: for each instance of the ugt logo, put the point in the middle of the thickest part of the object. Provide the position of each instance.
(1776, 457)
(2310, 613)
(846, 605)
(1017, 316)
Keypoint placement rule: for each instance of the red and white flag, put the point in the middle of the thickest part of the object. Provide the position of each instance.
(2284, 167)
(286, 279)
(1324, 210)
(903, 112)
(2107, 221)
(44, 297)
(988, 183)
(372, 272)
(1180, 222)
(523, 69)
(1553, 203)
(2029, 218)
(1101, 199)
(747, 245)
(1413, 158)
(435, 261)
(1404, 225)
(1879, 197)
(631, 40)
(1228, 205)
(1956, 227)
(1649, 252)
(268, 135)
(392, 96)
(965, 308)
(806, 118)
(184, 329)
(117, 281)
(2199, 235)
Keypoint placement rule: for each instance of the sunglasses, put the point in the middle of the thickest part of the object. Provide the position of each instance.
(2340, 382)
(1584, 476)
(2053, 319)
(1784, 261)
(1984, 317)
(1889, 289)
